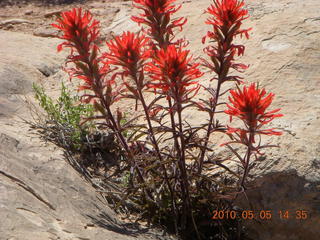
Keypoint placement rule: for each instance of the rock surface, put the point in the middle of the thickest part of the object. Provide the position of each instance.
(284, 56)
(46, 31)
(14, 21)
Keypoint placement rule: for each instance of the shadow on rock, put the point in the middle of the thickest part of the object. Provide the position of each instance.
(294, 204)
(104, 220)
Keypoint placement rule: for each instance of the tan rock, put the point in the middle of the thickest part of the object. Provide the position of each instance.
(14, 21)
(45, 31)
(52, 13)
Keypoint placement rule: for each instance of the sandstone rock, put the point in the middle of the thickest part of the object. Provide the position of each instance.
(45, 32)
(28, 12)
(52, 13)
(14, 21)
(8, 27)
(42, 197)
(103, 11)
(122, 21)
(47, 70)
(105, 35)
(18, 82)
(24, 60)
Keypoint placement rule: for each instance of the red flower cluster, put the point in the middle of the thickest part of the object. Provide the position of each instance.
(128, 51)
(80, 31)
(226, 20)
(157, 16)
(172, 72)
(226, 13)
(250, 106)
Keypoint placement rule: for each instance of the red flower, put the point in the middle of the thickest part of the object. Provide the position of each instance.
(173, 72)
(128, 51)
(227, 14)
(226, 20)
(80, 31)
(157, 16)
(250, 105)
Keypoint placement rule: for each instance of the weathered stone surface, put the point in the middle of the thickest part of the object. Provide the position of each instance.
(14, 21)
(45, 31)
(28, 12)
(25, 59)
(52, 13)
(122, 20)
(42, 197)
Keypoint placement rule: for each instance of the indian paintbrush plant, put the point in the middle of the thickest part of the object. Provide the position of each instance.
(169, 159)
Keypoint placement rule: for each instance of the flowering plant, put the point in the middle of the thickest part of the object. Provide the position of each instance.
(170, 161)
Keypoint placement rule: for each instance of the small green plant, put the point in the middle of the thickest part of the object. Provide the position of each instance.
(125, 179)
(66, 113)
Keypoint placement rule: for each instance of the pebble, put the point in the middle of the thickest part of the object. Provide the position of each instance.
(14, 21)
(52, 13)
(45, 32)
(28, 12)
